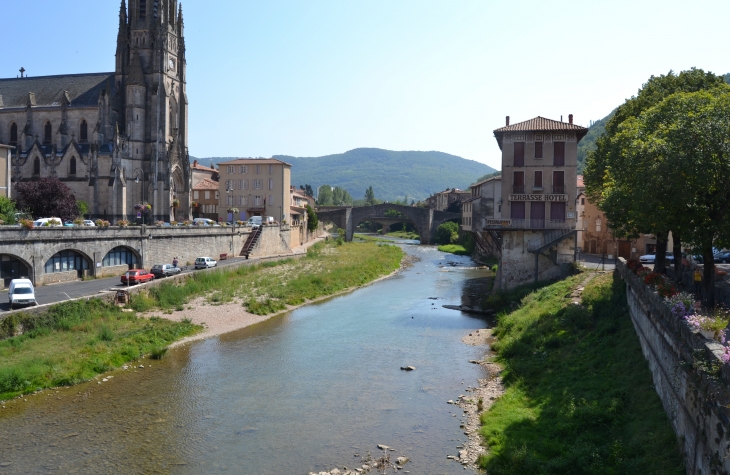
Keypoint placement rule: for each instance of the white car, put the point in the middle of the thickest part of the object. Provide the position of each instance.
(205, 262)
(21, 293)
(650, 258)
(47, 222)
(88, 222)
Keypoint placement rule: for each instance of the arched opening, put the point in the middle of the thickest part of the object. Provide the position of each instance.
(119, 256)
(13, 134)
(72, 166)
(47, 133)
(83, 132)
(11, 268)
(37, 166)
(68, 260)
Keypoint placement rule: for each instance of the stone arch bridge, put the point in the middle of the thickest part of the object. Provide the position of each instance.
(424, 220)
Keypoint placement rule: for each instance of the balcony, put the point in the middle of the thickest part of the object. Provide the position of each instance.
(529, 224)
(518, 189)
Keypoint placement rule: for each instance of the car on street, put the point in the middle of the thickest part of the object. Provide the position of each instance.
(21, 292)
(90, 223)
(651, 258)
(722, 257)
(137, 276)
(164, 270)
(205, 262)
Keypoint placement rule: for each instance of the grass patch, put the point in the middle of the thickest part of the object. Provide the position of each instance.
(579, 395)
(74, 341)
(405, 235)
(457, 249)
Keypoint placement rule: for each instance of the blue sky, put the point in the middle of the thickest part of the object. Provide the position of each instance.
(310, 78)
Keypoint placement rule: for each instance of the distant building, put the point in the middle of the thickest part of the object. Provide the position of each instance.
(5, 159)
(200, 172)
(483, 208)
(536, 235)
(580, 205)
(298, 206)
(443, 199)
(206, 196)
(255, 187)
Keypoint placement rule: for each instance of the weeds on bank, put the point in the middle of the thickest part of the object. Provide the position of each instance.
(457, 249)
(74, 341)
(579, 395)
(270, 286)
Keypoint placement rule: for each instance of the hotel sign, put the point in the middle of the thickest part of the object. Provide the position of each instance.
(521, 197)
(498, 222)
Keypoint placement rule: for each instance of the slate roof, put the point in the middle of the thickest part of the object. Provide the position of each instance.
(206, 184)
(83, 89)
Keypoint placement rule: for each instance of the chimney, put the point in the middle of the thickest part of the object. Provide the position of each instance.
(195, 163)
(507, 120)
(561, 117)
(570, 119)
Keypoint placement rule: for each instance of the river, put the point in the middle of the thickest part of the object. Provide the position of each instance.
(311, 390)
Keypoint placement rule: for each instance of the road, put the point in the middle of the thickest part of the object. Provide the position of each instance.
(59, 292)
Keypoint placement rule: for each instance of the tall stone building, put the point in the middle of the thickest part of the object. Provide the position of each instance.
(118, 138)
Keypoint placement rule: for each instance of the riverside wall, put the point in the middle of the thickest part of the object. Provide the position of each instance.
(689, 377)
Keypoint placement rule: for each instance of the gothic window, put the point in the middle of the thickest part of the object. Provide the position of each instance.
(142, 9)
(47, 132)
(72, 166)
(37, 166)
(13, 133)
(83, 132)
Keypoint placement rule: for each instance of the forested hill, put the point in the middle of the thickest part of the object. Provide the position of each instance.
(588, 143)
(393, 175)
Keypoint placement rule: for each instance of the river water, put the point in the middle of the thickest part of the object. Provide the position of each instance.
(311, 390)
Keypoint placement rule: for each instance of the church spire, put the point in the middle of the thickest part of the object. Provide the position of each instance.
(122, 15)
(180, 21)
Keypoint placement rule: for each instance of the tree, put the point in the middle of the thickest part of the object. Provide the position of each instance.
(83, 207)
(307, 190)
(370, 196)
(47, 198)
(7, 210)
(312, 219)
(324, 196)
(620, 187)
(341, 197)
(447, 233)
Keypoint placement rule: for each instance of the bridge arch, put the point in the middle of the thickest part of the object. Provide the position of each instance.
(121, 255)
(68, 260)
(13, 267)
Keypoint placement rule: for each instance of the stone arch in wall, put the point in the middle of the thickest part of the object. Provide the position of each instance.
(118, 255)
(178, 192)
(13, 267)
(65, 260)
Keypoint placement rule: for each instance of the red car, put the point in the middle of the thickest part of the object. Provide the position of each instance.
(137, 276)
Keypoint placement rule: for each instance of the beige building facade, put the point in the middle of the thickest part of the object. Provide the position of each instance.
(254, 187)
(5, 159)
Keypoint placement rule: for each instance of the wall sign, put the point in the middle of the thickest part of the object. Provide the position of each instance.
(498, 222)
(520, 197)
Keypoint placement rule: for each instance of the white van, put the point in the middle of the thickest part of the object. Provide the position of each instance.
(44, 222)
(203, 222)
(21, 292)
(254, 221)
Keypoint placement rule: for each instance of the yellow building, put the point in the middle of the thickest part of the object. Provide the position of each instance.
(254, 187)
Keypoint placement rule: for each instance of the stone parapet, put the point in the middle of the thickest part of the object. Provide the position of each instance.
(696, 401)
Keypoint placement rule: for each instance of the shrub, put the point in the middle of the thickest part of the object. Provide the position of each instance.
(27, 224)
(447, 233)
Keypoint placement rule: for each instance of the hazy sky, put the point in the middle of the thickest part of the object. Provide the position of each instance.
(310, 78)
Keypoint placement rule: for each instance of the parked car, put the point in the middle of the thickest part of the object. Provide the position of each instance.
(203, 222)
(21, 292)
(650, 258)
(90, 223)
(205, 262)
(68, 224)
(254, 221)
(47, 222)
(137, 276)
(723, 257)
(164, 270)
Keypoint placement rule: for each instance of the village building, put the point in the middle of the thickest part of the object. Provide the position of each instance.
(484, 207)
(206, 196)
(201, 172)
(115, 138)
(298, 206)
(441, 200)
(5, 159)
(536, 234)
(254, 187)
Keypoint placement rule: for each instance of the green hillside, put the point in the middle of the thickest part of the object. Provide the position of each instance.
(393, 175)
(588, 143)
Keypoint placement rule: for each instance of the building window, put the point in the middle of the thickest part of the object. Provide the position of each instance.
(538, 149)
(37, 166)
(66, 261)
(518, 182)
(47, 132)
(240, 200)
(598, 225)
(13, 134)
(142, 9)
(119, 256)
(271, 169)
(538, 180)
(207, 195)
(231, 169)
(241, 184)
(257, 201)
(519, 154)
(258, 169)
(245, 184)
(83, 132)
(72, 166)
(557, 211)
(271, 183)
(559, 181)
(229, 200)
(271, 200)
(259, 184)
(196, 195)
(517, 210)
(583, 201)
(244, 169)
(559, 154)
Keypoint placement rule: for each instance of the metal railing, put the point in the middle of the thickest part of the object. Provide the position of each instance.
(568, 224)
(535, 244)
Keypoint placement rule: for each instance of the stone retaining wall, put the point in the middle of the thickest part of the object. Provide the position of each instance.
(59, 277)
(111, 271)
(696, 401)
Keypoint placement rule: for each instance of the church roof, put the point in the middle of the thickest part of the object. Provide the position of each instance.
(83, 89)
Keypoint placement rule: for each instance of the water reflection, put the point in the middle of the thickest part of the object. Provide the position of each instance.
(297, 393)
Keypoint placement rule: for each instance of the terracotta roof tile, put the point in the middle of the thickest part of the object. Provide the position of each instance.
(540, 124)
(206, 184)
(580, 181)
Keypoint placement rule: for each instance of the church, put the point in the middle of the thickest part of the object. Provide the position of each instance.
(117, 139)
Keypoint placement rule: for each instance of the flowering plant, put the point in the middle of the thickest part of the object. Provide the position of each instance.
(187, 223)
(194, 204)
(27, 224)
(143, 207)
(714, 321)
(680, 304)
(173, 223)
(123, 223)
(102, 223)
(233, 210)
(175, 203)
(159, 223)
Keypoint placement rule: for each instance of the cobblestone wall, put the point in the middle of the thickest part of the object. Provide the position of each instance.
(696, 401)
(58, 277)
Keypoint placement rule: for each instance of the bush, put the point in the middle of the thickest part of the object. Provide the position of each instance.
(447, 233)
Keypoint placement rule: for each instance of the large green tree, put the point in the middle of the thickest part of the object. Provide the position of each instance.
(623, 189)
(324, 196)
